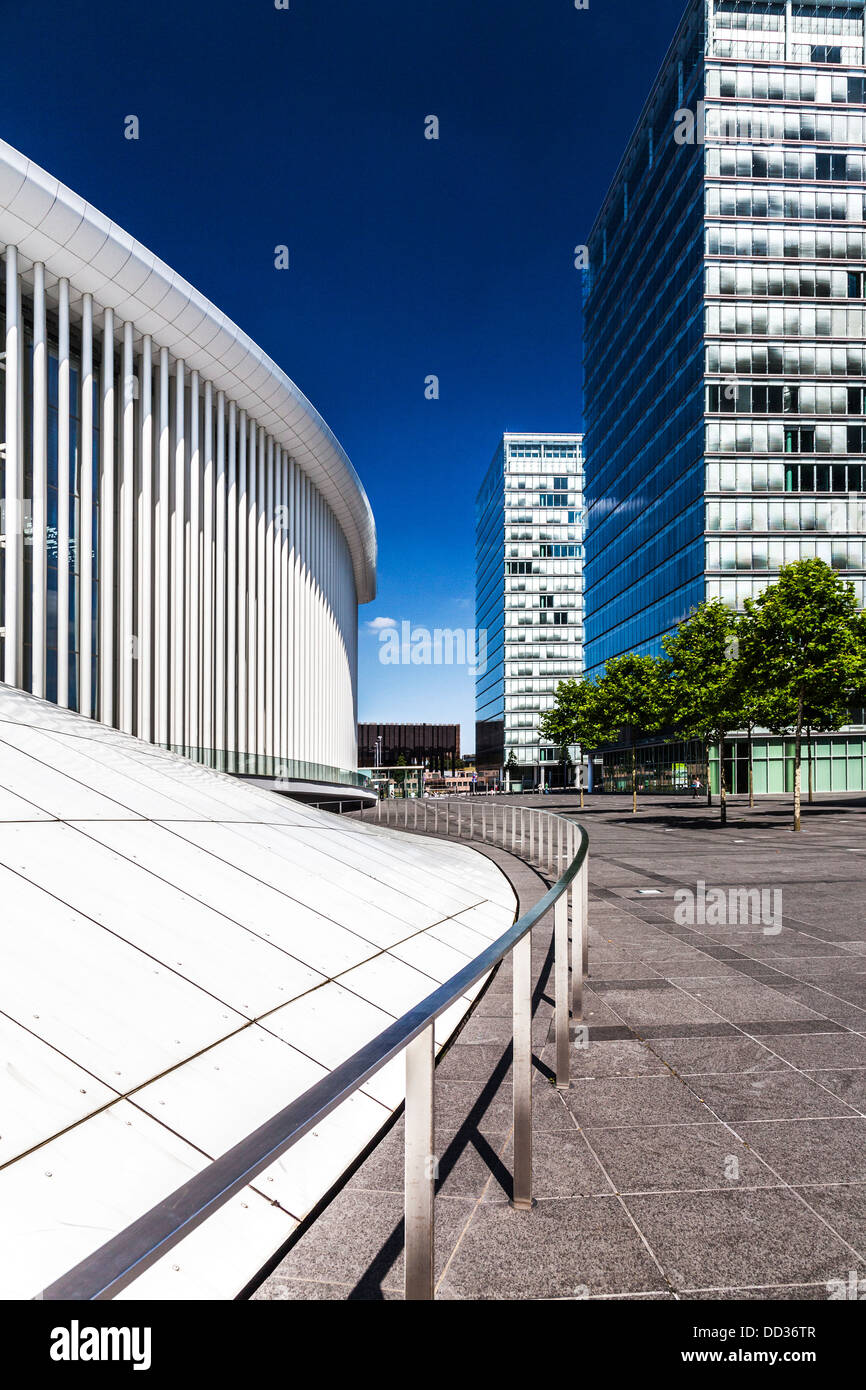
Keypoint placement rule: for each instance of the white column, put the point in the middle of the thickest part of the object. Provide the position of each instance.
(64, 550)
(278, 603)
(85, 514)
(261, 595)
(105, 568)
(252, 582)
(789, 30)
(127, 643)
(38, 532)
(193, 530)
(146, 556)
(14, 487)
(162, 589)
(220, 547)
(306, 672)
(230, 694)
(240, 598)
(178, 565)
(270, 633)
(297, 693)
(207, 598)
(312, 640)
(299, 653)
(285, 561)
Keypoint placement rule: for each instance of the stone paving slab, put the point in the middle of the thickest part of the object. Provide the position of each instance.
(713, 1142)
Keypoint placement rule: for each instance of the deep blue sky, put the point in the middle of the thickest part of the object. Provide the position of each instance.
(409, 257)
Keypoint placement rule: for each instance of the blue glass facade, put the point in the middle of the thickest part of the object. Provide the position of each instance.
(643, 339)
(490, 613)
(725, 343)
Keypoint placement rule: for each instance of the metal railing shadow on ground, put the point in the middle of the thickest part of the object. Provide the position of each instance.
(542, 838)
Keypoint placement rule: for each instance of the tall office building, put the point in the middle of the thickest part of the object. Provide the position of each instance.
(724, 336)
(529, 599)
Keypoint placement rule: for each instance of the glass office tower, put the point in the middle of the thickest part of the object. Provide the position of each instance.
(724, 333)
(529, 601)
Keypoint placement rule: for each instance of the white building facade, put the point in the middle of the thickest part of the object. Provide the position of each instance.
(184, 541)
(529, 600)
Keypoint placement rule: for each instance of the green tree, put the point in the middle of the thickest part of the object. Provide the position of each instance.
(803, 642)
(574, 717)
(511, 766)
(707, 685)
(400, 777)
(632, 699)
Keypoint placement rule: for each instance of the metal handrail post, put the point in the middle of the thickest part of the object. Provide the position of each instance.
(578, 928)
(521, 957)
(572, 850)
(531, 833)
(560, 936)
(584, 880)
(472, 820)
(420, 1167)
(459, 819)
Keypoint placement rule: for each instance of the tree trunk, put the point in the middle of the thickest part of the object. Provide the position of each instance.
(798, 751)
(633, 778)
(723, 797)
(707, 771)
(809, 756)
(751, 771)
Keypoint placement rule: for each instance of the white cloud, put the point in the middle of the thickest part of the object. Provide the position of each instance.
(379, 624)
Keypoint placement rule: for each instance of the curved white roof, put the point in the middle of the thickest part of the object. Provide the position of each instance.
(184, 954)
(50, 224)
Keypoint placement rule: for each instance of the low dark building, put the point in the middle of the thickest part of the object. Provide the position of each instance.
(437, 746)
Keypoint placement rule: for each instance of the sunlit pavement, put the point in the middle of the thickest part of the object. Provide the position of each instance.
(713, 1142)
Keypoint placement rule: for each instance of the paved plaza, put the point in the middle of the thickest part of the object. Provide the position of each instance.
(713, 1142)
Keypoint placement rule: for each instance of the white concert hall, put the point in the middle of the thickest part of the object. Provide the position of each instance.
(185, 542)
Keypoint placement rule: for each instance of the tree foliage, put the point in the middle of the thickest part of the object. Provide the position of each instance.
(803, 645)
(794, 659)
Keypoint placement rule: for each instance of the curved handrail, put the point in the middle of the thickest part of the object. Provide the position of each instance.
(123, 1258)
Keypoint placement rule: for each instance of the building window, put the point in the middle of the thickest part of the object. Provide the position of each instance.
(824, 53)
